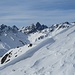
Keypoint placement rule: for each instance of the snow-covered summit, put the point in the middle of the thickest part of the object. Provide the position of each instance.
(33, 28)
(50, 31)
(60, 26)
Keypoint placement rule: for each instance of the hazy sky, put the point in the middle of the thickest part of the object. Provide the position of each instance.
(26, 12)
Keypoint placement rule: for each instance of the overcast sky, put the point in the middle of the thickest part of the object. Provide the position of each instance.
(26, 12)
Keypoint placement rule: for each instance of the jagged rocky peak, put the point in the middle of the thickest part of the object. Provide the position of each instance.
(14, 27)
(60, 26)
(66, 23)
(2, 27)
(5, 28)
(40, 27)
(33, 28)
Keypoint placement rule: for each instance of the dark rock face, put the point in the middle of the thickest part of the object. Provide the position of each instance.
(41, 37)
(14, 28)
(5, 28)
(40, 27)
(30, 45)
(59, 26)
(4, 58)
(66, 23)
(34, 28)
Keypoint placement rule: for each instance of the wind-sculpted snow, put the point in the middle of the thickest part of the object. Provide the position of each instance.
(24, 54)
(52, 55)
(12, 37)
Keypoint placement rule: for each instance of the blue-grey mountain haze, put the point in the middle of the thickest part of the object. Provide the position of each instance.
(26, 12)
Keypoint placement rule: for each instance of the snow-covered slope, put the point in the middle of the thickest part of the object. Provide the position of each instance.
(53, 55)
(50, 31)
(10, 38)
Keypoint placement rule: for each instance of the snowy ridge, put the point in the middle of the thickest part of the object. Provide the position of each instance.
(10, 38)
(50, 31)
(24, 52)
(33, 28)
(54, 54)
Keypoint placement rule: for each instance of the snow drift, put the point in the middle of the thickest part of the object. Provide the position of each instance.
(54, 54)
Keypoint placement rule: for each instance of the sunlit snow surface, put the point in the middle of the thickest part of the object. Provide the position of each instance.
(53, 55)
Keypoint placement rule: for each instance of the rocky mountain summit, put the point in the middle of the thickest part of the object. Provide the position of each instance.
(33, 28)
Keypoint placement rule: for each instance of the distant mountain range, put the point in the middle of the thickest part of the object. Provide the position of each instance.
(33, 28)
(38, 49)
(12, 37)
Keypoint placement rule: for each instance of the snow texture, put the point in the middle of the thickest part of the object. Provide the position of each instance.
(52, 55)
